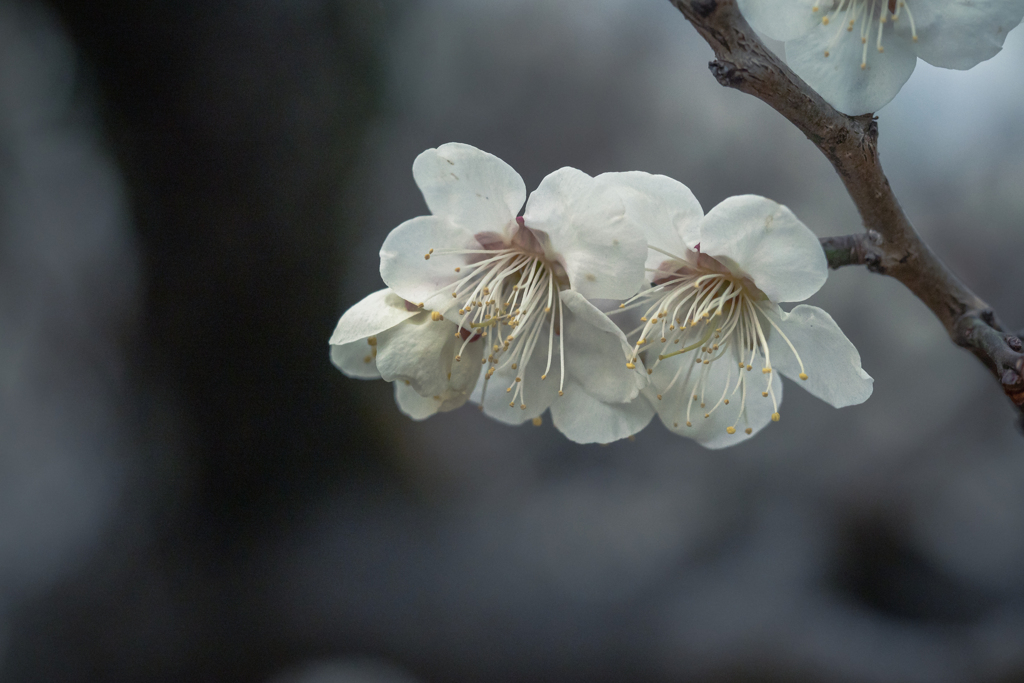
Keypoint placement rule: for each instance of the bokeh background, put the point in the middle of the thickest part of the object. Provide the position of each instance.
(192, 191)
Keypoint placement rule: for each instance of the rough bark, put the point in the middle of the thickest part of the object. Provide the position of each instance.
(889, 245)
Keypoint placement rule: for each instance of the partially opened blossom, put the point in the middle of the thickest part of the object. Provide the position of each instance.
(385, 337)
(711, 331)
(524, 286)
(858, 53)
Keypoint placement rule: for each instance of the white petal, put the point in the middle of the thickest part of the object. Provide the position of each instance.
(415, 278)
(412, 404)
(537, 394)
(762, 240)
(958, 34)
(464, 376)
(377, 312)
(469, 188)
(584, 419)
(355, 359)
(783, 19)
(587, 232)
(664, 209)
(419, 350)
(722, 378)
(830, 359)
(839, 78)
(596, 352)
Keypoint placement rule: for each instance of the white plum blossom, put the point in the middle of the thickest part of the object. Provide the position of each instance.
(524, 285)
(858, 53)
(385, 337)
(712, 334)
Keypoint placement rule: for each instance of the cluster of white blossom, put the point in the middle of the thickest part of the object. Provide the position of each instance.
(503, 310)
(858, 53)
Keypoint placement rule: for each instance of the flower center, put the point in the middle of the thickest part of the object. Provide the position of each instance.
(508, 296)
(715, 316)
(867, 16)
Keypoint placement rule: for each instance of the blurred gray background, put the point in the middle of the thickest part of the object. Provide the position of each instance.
(192, 192)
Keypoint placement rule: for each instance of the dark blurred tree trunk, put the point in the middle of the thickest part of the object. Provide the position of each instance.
(235, 125)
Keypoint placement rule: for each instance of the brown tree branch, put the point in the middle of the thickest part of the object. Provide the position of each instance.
(890, 246)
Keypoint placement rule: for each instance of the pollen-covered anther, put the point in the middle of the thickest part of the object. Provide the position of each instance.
(372, 341)
(730, 430)
(749, 430)
(538, 421)
(776, 417)
(631, 366)
(803, 375)
(435, 316)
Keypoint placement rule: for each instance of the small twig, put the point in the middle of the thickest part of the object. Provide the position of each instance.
(890, 246)
(861, 249)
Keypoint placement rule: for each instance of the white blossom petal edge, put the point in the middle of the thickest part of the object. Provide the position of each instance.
(521, 284)
(385, 337)
(858, 53)
(711, 318)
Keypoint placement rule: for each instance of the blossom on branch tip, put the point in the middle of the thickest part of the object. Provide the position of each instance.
(523, 285)
(857, 54)
(386, 337)
(711, 331)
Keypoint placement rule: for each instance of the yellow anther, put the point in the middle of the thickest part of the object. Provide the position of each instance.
(803, 375)
(659, 397)
(824, 20)
(426, 257)
(663, 340)
(512, 404)
(730, 430)
(430, 251)
(458, 358)
(650, 370)
(622, 305)
(455, 295)
(776, 417)
(689, 424)
(749, 368)
(643, 320)
(515, 366)
(641, 342)
(509, 390)
(523, 406)
(457, 269)
(741, 366)
(766, 370)
(435, 316)
(560, 393)
(707, 415)
(881, 49)
(547, 309)
(707, 362)
(372, 341)
(631, 365)
(765, 394)
(519, 379)
(419, 305)
(726, 401)
(749, 430)
(538, 421)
